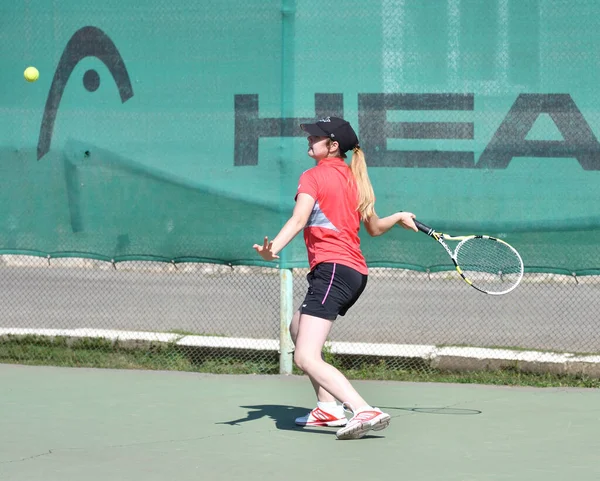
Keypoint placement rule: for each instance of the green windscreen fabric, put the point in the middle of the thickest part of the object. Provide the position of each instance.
(170, 131)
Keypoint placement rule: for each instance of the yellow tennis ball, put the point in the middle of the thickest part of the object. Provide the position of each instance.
(31, 74)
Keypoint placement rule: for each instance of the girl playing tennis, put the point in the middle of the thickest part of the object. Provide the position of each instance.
(331, 201)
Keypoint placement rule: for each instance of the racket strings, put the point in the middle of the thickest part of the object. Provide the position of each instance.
(490, 265)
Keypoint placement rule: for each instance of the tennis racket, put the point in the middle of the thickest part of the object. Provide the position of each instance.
(488, 264)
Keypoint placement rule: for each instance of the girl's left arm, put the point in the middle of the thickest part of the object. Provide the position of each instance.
(377, 226)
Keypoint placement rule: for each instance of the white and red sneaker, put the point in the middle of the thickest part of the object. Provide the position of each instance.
(320, 417)
(363, 422)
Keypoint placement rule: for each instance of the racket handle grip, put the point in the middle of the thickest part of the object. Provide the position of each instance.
(422, 227)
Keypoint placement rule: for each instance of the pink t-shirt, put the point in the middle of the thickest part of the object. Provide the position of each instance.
(331, 233)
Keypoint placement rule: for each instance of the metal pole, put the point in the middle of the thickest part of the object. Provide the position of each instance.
(288, 42)
(286, 312)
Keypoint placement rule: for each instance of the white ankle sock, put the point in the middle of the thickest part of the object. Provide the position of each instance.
(328, 406)
(363, 408)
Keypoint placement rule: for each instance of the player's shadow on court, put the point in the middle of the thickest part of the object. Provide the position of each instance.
(284, 417)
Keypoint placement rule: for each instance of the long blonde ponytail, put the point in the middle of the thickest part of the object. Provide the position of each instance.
(366, 196)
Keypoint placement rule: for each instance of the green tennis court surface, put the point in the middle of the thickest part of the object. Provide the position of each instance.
(82, 424)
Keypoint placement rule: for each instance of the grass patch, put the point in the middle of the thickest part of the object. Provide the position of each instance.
(502, 377)
(106, 354)
(415, 370)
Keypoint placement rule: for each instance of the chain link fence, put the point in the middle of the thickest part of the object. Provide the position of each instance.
(211, 317)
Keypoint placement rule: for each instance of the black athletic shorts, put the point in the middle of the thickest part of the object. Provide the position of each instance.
(332, 290)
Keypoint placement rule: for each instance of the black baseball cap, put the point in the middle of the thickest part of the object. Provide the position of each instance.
(336, 129)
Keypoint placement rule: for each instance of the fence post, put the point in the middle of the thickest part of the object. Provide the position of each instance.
(286, 312)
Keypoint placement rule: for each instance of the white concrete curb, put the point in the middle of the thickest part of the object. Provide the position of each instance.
(446, 358)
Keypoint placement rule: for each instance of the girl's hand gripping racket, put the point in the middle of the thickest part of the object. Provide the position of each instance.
(488, 264)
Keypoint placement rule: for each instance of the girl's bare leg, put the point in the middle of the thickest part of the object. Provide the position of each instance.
(310, 336)
(322, 394)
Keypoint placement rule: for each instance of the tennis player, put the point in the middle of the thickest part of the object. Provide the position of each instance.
(331, 201)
